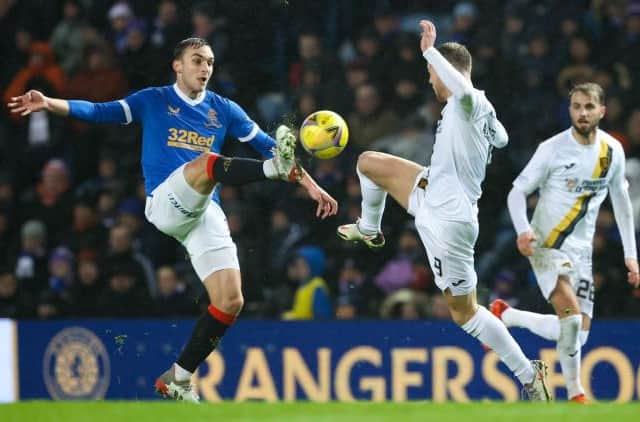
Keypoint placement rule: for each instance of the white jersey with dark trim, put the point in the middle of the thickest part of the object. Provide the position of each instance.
(573, 179)
(465, 137)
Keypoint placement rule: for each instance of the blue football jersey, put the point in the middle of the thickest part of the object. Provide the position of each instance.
(177, 129)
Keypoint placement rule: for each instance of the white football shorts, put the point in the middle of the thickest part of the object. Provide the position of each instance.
(449, 244)
(197, 222)
(549, 264)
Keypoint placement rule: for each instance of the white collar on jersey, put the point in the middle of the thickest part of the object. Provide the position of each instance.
(191, 102)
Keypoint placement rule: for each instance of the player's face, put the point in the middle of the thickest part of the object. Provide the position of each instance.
(586, 113)
(437, 85)
(195, 68)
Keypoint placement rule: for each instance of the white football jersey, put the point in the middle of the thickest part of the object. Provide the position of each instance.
(573, 179)
(465, 137)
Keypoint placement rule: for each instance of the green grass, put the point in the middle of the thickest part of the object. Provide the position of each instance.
(35, 411)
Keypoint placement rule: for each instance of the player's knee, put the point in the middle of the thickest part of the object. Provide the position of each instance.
(366, 162)
(233, 304)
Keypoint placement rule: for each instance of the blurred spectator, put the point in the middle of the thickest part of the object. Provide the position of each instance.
(211, 28)
(173, 298)
(88, 285)
(311, 299)
(504, 287)
(405, 304)
(143, 66)
(464, 19)
(351, 301)
(107, 208)
(633, 132)
(120, 17)
(56, 300)
(42, 64)
(85, 231)
(167, 29)
(370, 120)
(398, 272)
(285, 235)
(108, 178)
(513, 37)
(67, 40)
(413, 142)
(122, 253)
(31, 264)
(51, 200)
(369, 49)
(309, 51)
(15, 302)
(98, 80)
(125, 295)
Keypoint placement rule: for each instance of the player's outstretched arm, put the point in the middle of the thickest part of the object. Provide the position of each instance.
(455, 81)
(109, 112)
(327, 206)
(36, 101)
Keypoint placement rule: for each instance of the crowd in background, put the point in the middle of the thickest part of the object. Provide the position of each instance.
(73, 238)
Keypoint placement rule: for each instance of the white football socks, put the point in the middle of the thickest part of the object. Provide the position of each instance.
(373, 201)
(568, 348)
(181, 373)
(546, 326)
(269, 169)
(490, 331)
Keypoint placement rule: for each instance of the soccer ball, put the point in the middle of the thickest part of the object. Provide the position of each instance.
(324, 134)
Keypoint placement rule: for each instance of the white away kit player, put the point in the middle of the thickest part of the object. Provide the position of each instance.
(572, 172)
(443, 200)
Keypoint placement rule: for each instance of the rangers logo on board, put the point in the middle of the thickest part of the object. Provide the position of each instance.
(76, 365)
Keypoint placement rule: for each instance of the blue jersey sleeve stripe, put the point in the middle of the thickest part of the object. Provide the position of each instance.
(127, 111)
(251, 134)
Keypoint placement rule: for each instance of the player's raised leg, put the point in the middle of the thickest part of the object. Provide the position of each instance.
(210, 168)
(546, 326)
(379, 174)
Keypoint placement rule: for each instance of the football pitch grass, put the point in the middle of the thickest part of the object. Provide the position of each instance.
(35, 411)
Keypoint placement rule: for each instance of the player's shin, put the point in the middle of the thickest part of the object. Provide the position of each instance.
(235, 171)
(544, 325)
(490, 331)
(568, 348)
(373, 201)
(206, 335)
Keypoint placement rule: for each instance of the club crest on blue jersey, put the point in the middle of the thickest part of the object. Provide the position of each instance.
(173, 111)
(212, 117)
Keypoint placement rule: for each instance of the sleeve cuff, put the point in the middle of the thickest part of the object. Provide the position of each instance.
(429, 52)
(127, 111)
(251, 134)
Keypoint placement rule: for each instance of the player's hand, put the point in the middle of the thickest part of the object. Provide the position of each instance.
(428, 35)
(28, 103)
(633, 276)
(327, 206)
(525, 243)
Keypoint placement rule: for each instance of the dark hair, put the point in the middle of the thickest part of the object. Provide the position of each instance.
(591, 89)
(186, 43)
(457, 55)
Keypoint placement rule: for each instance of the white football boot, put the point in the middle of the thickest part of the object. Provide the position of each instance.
(537, 389)
(168, 387)
(284, 158)
(351, 232)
